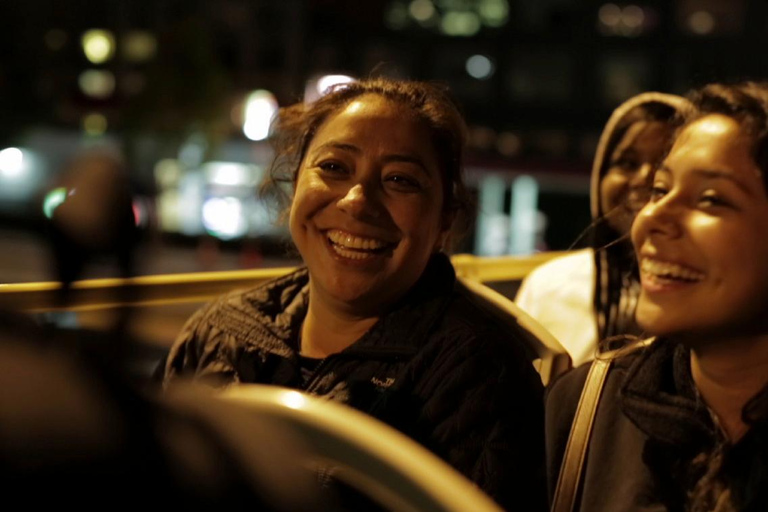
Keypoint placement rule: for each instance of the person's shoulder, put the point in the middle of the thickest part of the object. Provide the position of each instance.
(243, 305)
(567, 387)
(575, 262)
(558, 274)
(492, 338)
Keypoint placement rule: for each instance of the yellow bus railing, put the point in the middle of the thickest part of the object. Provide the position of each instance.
(96, 294)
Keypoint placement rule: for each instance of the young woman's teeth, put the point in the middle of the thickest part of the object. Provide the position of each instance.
(353, 247)
(666, 270)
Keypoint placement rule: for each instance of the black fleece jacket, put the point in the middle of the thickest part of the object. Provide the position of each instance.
(436, 366)
(649, 426)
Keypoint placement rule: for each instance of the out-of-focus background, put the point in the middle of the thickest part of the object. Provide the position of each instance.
(184, 91)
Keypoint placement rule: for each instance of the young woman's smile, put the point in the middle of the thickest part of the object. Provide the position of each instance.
(702, 240)
(368, 208)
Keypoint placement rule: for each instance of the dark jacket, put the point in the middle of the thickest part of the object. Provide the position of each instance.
(436, 367)
(649, 427)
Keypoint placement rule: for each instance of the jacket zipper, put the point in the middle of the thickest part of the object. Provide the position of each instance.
(307, 388)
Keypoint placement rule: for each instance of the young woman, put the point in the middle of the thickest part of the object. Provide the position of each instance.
(591, 295)
(682, 421)
(375, 319)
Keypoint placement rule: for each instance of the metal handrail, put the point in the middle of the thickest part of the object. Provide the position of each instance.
(96, 294)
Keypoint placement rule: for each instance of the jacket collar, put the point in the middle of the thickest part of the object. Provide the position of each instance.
(659, 397)
(281, 306)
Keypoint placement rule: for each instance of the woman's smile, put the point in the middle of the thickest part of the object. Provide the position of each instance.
(659, 276)
(349, 246)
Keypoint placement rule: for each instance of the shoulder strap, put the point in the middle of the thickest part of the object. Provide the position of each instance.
(576, 448)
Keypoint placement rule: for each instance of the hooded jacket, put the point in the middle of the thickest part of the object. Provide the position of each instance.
(591, 294)
(436, 367)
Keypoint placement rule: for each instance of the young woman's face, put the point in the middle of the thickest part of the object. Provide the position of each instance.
(624, 188)
(702, 239)
(368, 208)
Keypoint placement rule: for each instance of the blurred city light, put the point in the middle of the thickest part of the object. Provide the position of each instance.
(192, 151)
(523, 218)
(422, 10)
(139, 46)
(94, 124)
(325, 83)
(260, 107)
(223, 217)
(167, 173)
(52, 200)
(480, 67)
(230, 174)
(319, 85)
(11, 162)
(609, 15)
(629, 21)
(98, 45)
(701, 23)
(494, 13)
(97, 83)
(460, 23)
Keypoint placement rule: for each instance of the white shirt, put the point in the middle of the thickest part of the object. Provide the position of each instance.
(560, 295)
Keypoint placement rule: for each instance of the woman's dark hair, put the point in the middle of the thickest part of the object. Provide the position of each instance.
(747, 104)
(616, 277)
(296, 125)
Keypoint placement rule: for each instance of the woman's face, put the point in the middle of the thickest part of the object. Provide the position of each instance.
(624, 188)
(368, 207)
(702, 239)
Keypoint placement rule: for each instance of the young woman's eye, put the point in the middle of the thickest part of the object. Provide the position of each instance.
(710, 199)
(625, 164)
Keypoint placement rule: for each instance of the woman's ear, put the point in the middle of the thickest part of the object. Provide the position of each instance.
(443, 242)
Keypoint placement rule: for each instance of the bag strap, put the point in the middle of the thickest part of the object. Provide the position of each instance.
(578, 440)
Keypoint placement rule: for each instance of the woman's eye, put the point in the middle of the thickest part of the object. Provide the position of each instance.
(711, 199)
(658, 191)
(402, 182)
(626, 164)
(332, 167)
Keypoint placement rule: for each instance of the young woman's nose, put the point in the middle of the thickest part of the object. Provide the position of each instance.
(361, 200)
(660, 217)
(642, 178)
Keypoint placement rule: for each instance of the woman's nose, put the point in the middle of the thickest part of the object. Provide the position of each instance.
(661, 216)
(361, 201)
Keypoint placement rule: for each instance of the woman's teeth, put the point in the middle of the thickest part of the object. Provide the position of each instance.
(666, 270)
(354, 247)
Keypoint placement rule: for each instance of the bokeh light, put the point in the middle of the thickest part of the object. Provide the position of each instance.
(98, 45)
(260, 108)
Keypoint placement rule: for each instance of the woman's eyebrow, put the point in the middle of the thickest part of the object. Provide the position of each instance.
(344, 146)
(713, 174)
(407, 158)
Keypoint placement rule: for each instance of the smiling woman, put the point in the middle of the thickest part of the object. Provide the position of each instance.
(376, 319)
(682, 422)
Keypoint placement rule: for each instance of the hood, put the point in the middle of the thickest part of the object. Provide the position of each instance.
(676, 102)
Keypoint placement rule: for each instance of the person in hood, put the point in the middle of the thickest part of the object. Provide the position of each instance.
(376, 319)
(680, 421)
(590, 295)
